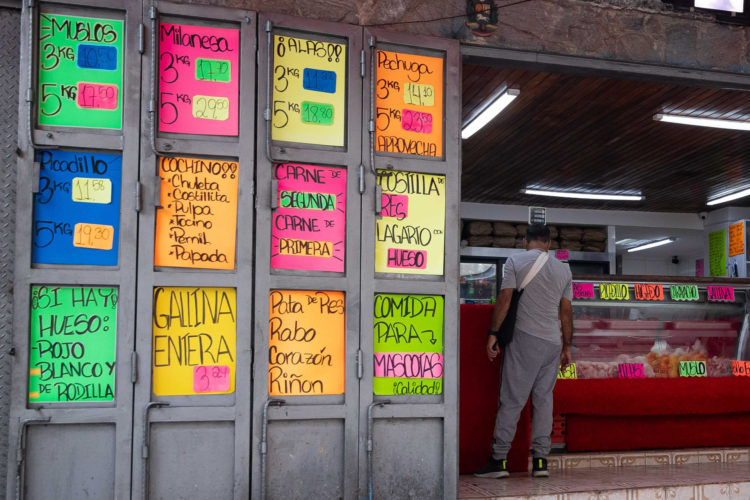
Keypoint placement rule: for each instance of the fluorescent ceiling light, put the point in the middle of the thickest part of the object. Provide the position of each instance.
(584, 196)
(491, 111)
(651, 245)
(704, 122)
(729, 197)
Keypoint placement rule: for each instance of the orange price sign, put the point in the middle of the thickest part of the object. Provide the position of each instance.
(737, 239)
(97, 236)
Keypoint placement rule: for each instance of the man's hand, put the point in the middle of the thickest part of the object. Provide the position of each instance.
(492, 351)
(565, 357)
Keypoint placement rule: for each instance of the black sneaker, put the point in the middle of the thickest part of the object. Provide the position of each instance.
(539, 467)
(493, 468)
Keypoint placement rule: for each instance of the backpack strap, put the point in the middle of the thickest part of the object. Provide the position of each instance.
(538, 265)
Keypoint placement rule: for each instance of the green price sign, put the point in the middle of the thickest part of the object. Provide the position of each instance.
(72, 344)
(692, 368)
(80, 71)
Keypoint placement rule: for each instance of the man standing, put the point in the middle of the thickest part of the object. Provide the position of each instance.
(531, 361)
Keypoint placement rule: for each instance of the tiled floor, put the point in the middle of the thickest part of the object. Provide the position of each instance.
(689, 481)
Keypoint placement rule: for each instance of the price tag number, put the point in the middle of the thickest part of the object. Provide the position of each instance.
(88, 190)
(96, 236)
(692, 368)
(419, 94)
(211, 379)
(211, 108)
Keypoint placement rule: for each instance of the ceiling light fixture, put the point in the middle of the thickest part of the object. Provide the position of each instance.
(494, 108)
(729, 197)
(584, 196)
(704, 122)
(653, 244)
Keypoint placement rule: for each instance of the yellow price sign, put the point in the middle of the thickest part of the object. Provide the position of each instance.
(568, 373)
(207, 107)
(88, 190)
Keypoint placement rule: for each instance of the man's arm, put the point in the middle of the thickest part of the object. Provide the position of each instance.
(498, 316)
(566, 318)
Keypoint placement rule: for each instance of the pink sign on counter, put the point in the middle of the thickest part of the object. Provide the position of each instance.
(199, 77)
(562, 255)
(720, 293)
(308, 229)
(630, 370)
(583, 290)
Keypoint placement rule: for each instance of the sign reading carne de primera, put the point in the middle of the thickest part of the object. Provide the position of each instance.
(409, 237)
(196, 225)
(408, 344)
(72, 344)
(306, 343)
(308, 229)
(409, 104)
(80, 71)
(198, 79)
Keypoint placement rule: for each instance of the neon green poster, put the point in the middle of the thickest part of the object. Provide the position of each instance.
(717, 253)
(72, 342)
(408, 344)
(80, 71)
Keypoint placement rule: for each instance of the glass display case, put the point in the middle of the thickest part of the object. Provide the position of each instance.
(478, 282)
(656, 330)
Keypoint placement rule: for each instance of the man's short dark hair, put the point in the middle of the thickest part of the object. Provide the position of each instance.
(538, 232)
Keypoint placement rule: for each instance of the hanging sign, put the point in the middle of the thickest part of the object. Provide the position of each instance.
(717, 253)
(683, 292)
(72, 344)
(196, 225)
(568, 373)
(409, 237)
(80, 71)
(199, 74)
(614, 291)
(408, 344)
(309, 91)
(562, 255)
(583, 290)
(630, 370)
(648, 291)
(409, 104)
(692, 369)
(737, 239)
(306, 343)
(194, 340)
(77, 208)
(720, 293)
(308, 229)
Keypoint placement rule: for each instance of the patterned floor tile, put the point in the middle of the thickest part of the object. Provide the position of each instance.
(631, 460)
(603, 460)
(711, 457)
(713, 491)
(679, 493)
(679, 458)
(657, 458)
(735, 455)
(743, 491)
(646, 494)
(576, 462)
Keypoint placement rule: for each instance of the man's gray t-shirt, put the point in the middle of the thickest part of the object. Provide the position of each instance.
(539, 307)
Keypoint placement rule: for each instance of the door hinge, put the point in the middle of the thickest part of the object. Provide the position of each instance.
(152, 12)
(138, 197)
(141, 38)
(133, 367)
(157, 191)
(378, 200)
(371, 126)
(362, 63)
(35, 168)
(361, 178)
(360, 370)
(274, 194)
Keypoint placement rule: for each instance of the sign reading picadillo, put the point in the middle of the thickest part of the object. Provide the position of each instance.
(72, 344)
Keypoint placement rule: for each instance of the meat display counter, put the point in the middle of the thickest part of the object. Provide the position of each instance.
(657, 324)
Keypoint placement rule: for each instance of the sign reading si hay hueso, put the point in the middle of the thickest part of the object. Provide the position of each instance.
(409, 238)
(306, 343)
(308, 229)
(309, 91)
(194, 340)
(409, 104)
(80, 71)
(77, 208)
(408, 344)
(196, 225)
(198, 79)
(72, 344)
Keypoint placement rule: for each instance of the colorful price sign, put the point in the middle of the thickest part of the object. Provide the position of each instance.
(199, 74)
(408, 344)
(80, 71)
(409, 104)
(683, 292)
(409, 238)
(692, 369)
(737, 239)
(77, 208)
(717, 253)
(568, 373)
(630, 370)
(720, 293)
(648, 291)
(583, 290)
(72, 344)
(194, 340)
(741, 368)
(562, 254)
(309, 91)
(614, 291)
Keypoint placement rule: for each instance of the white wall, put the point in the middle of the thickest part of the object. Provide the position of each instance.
(662, 266)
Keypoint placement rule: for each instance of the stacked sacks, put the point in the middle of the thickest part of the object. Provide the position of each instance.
(508, 235)
(594, 240)
(480, 233)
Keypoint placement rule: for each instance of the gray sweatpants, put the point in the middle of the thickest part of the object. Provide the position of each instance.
(530, 366)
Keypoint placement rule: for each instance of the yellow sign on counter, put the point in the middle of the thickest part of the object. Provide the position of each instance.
(193, 347)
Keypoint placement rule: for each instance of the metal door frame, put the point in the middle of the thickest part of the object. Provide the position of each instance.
(124, 142)
(445, 406)
(343, 407)
(234, 408)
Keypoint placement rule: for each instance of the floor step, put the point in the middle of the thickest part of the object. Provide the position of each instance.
(699, 481)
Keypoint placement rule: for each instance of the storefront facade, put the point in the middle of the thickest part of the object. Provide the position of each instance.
(236, 263)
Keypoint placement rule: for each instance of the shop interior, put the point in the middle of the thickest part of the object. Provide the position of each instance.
(576, 132)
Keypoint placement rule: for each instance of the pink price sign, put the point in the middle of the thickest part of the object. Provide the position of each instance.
(583, 290)
(630, 370)
(198, 79)
(562, 255)
(215, 378)
(97, 96)
(308, 229)
(409, 364)
(720, 293)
